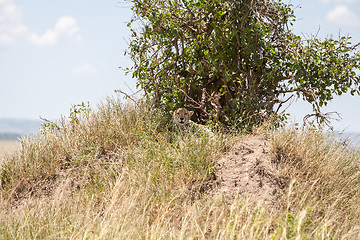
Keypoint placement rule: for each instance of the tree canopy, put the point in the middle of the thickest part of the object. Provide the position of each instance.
(235, 62)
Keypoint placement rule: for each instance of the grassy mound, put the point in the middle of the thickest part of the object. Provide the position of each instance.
(123, 172)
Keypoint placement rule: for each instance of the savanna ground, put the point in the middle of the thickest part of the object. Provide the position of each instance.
(124, 172)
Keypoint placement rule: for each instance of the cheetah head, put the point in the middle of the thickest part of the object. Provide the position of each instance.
(181, 116)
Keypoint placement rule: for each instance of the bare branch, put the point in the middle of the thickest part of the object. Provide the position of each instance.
(126, 96)
(355, 46)
(52, 123)
(322, 118)
(283, 102)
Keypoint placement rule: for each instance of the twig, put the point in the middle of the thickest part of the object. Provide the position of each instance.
(355, 46)
(322, 118)
(54, 124)
(282, 102)
(191, 99)
(126, 95)
(129, 88)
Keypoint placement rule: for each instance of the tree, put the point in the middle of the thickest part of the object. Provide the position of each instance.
(232, 61)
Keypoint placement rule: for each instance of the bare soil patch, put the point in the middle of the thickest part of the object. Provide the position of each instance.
(247, 170)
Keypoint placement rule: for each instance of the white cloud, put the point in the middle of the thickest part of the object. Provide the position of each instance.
(65, 26)
(342, 15)
(85, 69)
(11, 26)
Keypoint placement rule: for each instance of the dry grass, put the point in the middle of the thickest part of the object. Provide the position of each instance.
(325, 182)
(8, 147)
(123, 173)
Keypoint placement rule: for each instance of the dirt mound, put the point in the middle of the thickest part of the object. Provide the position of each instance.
(247, 170)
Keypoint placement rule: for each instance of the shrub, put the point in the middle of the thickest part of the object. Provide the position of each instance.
(233, 61)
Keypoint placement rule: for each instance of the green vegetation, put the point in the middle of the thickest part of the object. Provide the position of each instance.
(122, 172)
(236, 62)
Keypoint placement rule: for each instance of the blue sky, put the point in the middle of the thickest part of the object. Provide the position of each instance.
(54, 54)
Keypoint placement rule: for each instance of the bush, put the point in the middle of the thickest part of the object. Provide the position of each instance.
(233, 61)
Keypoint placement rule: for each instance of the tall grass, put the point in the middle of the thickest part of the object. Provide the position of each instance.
(123, 172)
(325, 182)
